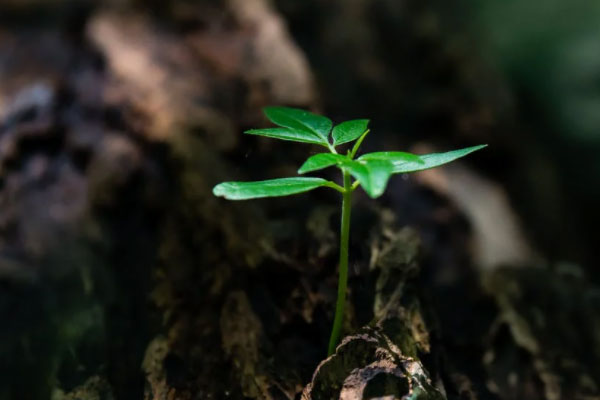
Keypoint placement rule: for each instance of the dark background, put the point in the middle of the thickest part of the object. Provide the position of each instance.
(118, 117)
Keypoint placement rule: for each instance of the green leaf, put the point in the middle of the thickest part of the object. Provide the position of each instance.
(373, 175)
(433, 160)
(349, 131)
(320, 161)
(393, 156)
(293, 135)
(297, 119)
(268, 188)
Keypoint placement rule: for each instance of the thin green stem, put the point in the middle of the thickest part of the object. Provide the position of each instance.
(358, 143)
(335, 186)
(343, 268)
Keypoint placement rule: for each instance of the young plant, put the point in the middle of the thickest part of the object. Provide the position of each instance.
(370, 171)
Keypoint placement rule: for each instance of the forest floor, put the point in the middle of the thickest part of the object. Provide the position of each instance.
(123, 277)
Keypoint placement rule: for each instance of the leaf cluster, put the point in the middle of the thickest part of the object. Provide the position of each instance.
(371, 171)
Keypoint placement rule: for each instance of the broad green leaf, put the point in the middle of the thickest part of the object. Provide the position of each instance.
(393, 156)
(320, 161)
(297, 119)
(294, 135)
(433, 160)
(268, 188)
(349, 131)
(372, 175)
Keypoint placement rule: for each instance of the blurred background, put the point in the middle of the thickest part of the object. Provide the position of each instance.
(122, 277)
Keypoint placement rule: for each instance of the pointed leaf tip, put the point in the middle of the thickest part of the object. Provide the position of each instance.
(293, 135)
(434, 160)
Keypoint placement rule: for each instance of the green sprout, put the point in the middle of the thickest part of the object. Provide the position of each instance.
(370, 171)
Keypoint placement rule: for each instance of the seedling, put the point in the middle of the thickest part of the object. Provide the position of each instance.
(371, 171)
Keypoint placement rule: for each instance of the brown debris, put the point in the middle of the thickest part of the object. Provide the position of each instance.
(369, 362)
(243, 342)
(152, 70)
(175, 83)
(549, 315)
(355, 385)
(381, 360)
(95, 388)
(498, 235)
